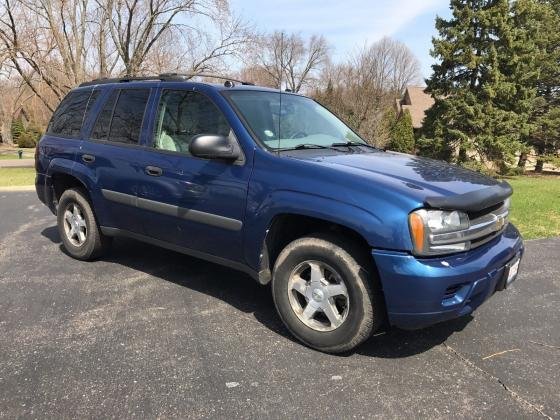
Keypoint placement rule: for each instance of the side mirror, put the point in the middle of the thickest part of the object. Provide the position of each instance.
(213, 146)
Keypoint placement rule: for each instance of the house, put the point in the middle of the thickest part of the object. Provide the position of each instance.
(417, 102)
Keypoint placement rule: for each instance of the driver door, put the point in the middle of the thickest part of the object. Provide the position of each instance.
(188, 201)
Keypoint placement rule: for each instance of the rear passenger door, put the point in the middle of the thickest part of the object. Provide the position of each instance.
(111, 155)
(62, 139)
(192, 202)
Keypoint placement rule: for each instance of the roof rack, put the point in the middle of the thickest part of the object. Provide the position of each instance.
(164, 77)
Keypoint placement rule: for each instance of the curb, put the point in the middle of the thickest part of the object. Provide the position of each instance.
(18, 188)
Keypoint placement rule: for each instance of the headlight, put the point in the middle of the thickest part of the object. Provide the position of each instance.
(425, 224)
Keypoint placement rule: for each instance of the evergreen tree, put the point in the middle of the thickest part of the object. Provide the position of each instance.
(540, 20)
(17, 129)
(483, 84)
(402, 134)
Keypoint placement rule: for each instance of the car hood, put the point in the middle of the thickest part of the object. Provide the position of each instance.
(422, 178)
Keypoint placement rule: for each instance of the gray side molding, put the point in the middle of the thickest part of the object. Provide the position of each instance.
(174, 211)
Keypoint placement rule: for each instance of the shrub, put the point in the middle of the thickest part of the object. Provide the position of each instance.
(402, 134)
(29, 137)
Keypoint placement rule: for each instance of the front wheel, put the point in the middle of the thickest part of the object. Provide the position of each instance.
(322, 289)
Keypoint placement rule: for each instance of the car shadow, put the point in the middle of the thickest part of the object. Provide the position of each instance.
(245, 294)
(51, 233)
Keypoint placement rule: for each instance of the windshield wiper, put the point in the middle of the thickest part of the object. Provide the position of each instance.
(354, 143)
(307, 146)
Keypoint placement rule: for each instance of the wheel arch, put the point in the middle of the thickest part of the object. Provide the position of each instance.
(63, 174)
(284, 228)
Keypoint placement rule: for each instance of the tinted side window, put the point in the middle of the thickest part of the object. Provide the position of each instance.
(103, 122)
(68, 117)
(128, 116)
(91, 102)
(184, 114)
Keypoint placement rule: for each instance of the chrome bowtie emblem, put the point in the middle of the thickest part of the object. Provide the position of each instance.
(500, 222)
(317, 295)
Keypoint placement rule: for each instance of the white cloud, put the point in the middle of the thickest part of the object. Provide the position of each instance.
(353, 20)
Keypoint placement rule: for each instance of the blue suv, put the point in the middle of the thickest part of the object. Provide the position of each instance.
(272, 184)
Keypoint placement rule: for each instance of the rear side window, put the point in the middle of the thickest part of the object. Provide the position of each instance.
(121, 118)
(68, 118)
(91, 102)
(103, 123)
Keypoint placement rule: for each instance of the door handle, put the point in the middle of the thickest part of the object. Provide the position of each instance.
(88, 158)
(153, 171)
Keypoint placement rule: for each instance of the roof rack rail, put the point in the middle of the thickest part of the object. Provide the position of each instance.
(188, 76)
(164, 77)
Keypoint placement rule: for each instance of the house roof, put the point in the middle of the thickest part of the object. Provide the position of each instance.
(417, 101)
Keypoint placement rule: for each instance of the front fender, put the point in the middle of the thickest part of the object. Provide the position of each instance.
(376, 231)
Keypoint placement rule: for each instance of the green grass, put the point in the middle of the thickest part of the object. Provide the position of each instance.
(11, 152)
(14, 177)
(15, 156)
(535, 206)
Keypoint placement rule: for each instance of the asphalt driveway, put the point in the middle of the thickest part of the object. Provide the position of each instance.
(150, 333)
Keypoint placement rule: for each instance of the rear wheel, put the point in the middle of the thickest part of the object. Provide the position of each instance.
(322, 288)
(78, 228)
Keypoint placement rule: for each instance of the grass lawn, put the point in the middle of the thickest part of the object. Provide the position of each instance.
(11, 152)
(6, 156)
(15, 156)
(14, 177)
(535, 208)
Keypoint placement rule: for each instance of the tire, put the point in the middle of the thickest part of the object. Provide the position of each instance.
(359, 312)
(85, 242)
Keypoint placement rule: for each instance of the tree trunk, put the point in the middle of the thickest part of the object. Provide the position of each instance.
(539, 166)
(522, 160)
(462, 155)
(7, 132)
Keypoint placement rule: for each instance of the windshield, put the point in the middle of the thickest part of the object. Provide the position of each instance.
(301, 121)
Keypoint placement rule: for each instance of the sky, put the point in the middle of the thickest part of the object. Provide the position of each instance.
(348, 25)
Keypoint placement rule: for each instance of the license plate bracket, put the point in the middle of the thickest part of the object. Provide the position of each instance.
(512, 272)
(511, 269)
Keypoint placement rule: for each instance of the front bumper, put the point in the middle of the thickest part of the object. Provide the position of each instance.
(423, 291)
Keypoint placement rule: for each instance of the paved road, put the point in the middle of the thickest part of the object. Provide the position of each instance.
(147, 332)
(17, 163)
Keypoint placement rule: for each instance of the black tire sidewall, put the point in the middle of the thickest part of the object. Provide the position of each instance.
(356, 324)
(87, 250)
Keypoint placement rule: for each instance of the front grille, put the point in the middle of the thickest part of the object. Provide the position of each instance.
(487, 224)
(473, 215)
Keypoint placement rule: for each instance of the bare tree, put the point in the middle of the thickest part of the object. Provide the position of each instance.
(136, 26)
(44, 42)
(367, 85)
(290, 59)
(53, 45)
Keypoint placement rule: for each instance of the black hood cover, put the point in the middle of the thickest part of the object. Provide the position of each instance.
(472, 201)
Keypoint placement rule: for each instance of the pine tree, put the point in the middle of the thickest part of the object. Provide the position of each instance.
(17, 129)
(483, 85)
(540, 20)
(402, 134)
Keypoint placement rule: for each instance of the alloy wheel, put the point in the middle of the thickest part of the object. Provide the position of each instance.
(75, 225)
(318, 296)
